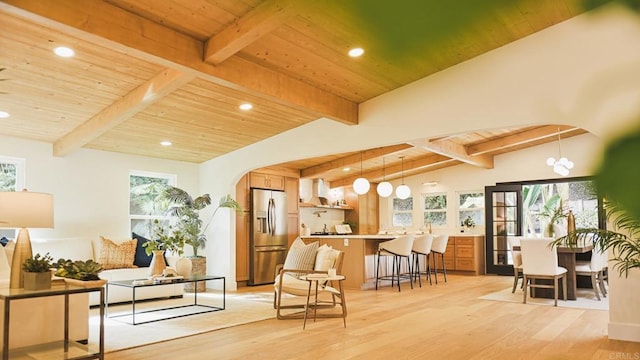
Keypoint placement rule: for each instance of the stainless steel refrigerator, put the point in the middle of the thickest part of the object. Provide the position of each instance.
(268, 241)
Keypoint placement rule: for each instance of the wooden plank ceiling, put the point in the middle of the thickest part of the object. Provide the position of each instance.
(147, 71)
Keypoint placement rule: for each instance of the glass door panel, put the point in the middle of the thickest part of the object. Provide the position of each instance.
(503, 212)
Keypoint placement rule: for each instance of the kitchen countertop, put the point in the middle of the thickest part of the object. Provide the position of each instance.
(352, 236)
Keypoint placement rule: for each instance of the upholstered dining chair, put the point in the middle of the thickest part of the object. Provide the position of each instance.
(540, 261)
(516, 257)
(399, 249)
(439, 247)
(422, 247)
(595, 268)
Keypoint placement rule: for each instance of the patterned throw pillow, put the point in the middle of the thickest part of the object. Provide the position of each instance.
(117, 256)
(301, 256)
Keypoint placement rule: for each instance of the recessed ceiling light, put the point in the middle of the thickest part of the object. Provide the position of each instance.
(246, 106)
(4, 114)
(64, 51)
(165, 143)
(356, 52)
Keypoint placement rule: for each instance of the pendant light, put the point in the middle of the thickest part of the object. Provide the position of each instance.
(361, 185)
(384, 188)
(562, 165)
(403, 191)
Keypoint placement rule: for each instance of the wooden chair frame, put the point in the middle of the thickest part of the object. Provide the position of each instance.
(335, 294)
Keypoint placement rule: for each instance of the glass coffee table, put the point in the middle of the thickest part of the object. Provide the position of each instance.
(140, 283)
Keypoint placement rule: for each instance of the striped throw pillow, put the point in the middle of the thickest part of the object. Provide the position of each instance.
(301, 256)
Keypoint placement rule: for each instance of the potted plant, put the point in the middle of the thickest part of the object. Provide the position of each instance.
(37, 272)
(78, 272)
(186, 210)
(171, 240)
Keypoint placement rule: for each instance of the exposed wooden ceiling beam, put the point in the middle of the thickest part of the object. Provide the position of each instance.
(420, 163)
(523, 137)
(137, 100)
(112, 27)
(457, 152)
(349, 160)
(267, 16)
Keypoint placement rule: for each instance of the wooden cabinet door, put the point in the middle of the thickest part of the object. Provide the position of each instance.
(291, 187)
(242, 246)
(266, 181)
(293, 227)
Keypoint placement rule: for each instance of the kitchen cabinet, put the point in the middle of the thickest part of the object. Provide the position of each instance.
(464, 254)
(292, 188)
(365, 211)
(266, 181)
(242, 230)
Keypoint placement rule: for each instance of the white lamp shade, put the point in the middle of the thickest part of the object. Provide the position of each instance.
(24, 209)
(385, 189)
(361, 186)
(403, 192)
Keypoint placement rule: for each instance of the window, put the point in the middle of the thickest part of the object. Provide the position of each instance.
(550, 202)
(403, 212)
(144, 208)
(12, 172)
(471, 205)
(435, 209)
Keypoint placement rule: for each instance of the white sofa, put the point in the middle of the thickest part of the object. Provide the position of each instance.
(84, 249)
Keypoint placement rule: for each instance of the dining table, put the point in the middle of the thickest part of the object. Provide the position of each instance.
(567, 260)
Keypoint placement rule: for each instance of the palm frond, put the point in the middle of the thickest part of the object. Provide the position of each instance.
(625, 245)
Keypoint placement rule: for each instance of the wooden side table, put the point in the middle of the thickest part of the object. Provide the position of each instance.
(315, 279)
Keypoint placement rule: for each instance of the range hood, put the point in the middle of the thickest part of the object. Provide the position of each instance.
(319, 193)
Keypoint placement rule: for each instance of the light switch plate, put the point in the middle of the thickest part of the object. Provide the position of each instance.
(346, 242)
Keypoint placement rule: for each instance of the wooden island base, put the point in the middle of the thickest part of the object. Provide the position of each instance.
(359, 264)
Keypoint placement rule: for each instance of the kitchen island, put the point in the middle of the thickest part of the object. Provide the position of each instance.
(358, 264)
(464, 255)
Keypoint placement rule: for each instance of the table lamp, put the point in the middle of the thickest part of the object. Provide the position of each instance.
(23, 209)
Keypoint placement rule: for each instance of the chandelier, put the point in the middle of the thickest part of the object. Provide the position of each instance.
(562, 165)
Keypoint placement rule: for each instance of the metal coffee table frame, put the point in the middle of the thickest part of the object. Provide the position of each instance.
(190, 279)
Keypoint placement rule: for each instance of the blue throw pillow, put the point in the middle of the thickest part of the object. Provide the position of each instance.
(141, 258)
(4, 241)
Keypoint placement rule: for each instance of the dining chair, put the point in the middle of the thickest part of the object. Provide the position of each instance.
(398, 248)
(540, 262)
(439, 247)
(516, 257)
(594, 268)
(422, 246)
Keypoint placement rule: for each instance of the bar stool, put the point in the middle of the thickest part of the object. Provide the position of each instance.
(422, 246)
(439, 247)
(398, 248)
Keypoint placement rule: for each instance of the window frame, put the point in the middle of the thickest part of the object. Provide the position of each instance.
(442, 210)
(20, 165)
(394, 212)
(479, 209)
(172, 179)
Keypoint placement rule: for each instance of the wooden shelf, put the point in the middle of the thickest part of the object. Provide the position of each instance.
(310, 205)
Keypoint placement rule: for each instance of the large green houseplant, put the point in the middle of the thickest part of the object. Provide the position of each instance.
(186, 210)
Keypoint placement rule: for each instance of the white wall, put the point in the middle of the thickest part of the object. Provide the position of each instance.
(90, 188)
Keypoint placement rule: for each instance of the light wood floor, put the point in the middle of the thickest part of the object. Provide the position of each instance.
(444, 321)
